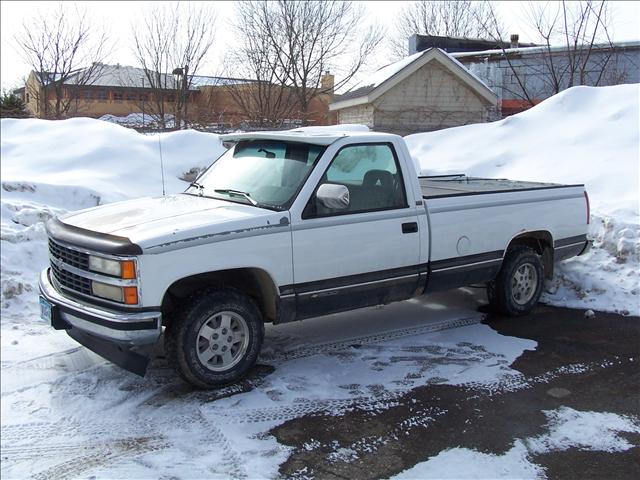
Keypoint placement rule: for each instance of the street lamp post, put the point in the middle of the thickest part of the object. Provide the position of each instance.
(181, 75)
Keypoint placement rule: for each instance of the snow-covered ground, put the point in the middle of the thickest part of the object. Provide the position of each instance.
(101, 421)
(582, 135)
(50, 167)
(567, 428)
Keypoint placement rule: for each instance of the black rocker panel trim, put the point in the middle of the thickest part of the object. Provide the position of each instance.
(348, 280)
(94, 241)
(357, 296)
(569, 240)
(465, 260)
(462, 277)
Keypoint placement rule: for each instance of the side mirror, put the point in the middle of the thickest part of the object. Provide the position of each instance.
(332, 196)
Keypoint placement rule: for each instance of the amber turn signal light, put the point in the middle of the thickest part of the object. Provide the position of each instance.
(128, 269)
(130, 295)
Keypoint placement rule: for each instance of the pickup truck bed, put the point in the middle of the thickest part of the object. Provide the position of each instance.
(439, 186)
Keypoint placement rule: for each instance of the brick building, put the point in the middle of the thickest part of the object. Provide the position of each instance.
(119, 91)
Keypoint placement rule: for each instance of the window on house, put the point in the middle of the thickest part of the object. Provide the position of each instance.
(131, 97)
(143, 97)
(27, 98)
(117, 96)
(101, 95)
(88, 95)
(171, 99)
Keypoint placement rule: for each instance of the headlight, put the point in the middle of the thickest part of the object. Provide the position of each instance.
(115, 268)
(126, 295)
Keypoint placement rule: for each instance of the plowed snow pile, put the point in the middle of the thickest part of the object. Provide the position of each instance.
(582, 135)
(50, 167)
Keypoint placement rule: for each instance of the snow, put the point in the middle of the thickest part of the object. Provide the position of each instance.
(596, 431)
(462, 463)
(385, 73)
(137, 120)
(51, 167)
(539, 49)
(582, 135)
(567, 428)
(100, 421)
(343, 127)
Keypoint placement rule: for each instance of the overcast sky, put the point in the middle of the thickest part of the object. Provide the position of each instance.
(120, 18)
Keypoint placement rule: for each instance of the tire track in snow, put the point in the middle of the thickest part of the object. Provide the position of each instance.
(101, 454)
(329, 347)
(20, 442)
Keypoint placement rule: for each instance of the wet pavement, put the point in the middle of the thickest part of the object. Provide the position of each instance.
(587, 364)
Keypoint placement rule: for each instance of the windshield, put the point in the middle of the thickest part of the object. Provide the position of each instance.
(265, 173)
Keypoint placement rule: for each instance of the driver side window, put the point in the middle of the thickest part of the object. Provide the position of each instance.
(372, 176)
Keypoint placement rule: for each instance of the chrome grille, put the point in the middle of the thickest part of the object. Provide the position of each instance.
(69, 256)
(71, 280)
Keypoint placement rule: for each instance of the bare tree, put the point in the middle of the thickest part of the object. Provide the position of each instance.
(65, 51)
(171, 47)
(264, 102)
(300, 41)
(578, 27)
(451, 18)
(569, 33)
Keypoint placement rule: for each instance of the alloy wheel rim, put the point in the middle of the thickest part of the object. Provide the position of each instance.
(222, 341)
(524, 283)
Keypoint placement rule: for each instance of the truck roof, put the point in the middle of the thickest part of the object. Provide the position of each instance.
(317, 137)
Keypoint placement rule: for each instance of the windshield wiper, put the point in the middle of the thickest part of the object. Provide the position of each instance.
(237, 192)
(198, 186)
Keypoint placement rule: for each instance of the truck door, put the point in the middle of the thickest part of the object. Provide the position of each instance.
(364, 254)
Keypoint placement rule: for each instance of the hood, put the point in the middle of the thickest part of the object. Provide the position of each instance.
(147, 221)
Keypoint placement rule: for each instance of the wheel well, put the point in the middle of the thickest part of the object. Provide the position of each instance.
(542, 243)
(252, 281)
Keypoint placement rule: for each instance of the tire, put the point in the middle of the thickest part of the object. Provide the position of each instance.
(518, 286)
(215, 337)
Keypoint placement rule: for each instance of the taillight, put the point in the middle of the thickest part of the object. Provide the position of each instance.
(586, 197)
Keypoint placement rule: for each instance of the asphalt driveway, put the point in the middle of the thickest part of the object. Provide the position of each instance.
(587, 364)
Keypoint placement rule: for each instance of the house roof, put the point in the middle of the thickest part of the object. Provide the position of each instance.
(389, 76)
(633, 44)
(209, 81)
(133, 77)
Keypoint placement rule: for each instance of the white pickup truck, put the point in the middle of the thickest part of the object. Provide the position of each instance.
(291, 225)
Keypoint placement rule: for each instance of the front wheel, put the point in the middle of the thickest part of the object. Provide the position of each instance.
(215, 338)
(518, 286)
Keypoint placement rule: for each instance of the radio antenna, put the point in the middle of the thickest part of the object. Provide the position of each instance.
(161, 163)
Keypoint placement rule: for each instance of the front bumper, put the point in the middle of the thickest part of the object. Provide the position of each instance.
(111, 334)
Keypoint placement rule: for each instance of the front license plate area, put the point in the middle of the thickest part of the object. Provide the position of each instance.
(45, 310)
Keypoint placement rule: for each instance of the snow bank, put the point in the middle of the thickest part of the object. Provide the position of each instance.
(567, 428)
(50, 167)
(582, 135)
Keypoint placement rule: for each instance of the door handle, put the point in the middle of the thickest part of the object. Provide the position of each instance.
(411, 227)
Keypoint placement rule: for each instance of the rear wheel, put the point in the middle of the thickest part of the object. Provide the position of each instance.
(518, 286)
(215, 338)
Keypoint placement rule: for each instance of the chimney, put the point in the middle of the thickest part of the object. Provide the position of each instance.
(326, 82)
(514, 40)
